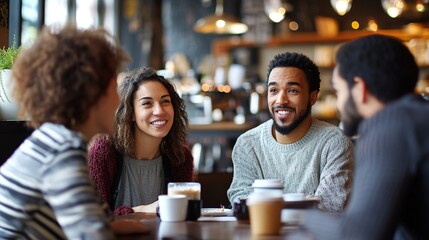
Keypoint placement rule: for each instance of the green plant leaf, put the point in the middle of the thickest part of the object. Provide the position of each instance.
(8, 55)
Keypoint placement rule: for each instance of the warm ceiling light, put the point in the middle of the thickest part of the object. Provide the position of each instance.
(220, 23)
(341, 6)
(393, 8)
(294, 26)
(406, 8)
(372, 25)
(277, 16)
(420, 7)
(276, 9)
(355, 25)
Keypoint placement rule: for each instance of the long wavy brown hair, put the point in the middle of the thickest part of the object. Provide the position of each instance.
(123, 138)
(63, 74)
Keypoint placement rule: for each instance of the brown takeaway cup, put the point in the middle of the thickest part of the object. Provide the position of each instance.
(265, 213)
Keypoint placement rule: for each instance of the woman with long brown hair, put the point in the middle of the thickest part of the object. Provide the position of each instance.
(149, 147)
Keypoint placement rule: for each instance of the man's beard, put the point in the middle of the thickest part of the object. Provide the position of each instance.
(350, 118)
(285, 130)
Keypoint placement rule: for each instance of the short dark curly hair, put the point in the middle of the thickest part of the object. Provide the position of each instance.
(298, 60)
(385, 64)
(63, 74)
(123, 138)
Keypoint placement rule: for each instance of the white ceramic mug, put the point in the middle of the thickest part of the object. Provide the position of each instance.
(172, 208)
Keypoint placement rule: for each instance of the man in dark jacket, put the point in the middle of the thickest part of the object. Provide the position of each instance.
(375, 79)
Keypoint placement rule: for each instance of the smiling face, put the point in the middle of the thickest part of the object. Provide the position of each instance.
(289, 100)
(153, 110)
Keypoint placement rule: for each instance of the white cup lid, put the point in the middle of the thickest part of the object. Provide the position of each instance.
(257, 197)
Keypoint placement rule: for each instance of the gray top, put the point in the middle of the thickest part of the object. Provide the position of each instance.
(320, 163)
(141, 182)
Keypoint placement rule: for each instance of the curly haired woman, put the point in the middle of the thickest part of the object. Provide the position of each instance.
(65, 84)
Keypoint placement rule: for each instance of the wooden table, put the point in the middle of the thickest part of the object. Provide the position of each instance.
(198, 229)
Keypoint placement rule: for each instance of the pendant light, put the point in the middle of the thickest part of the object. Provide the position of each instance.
(341, 6)
(393, 8)
(276, 9)
(220, 23)
(409, 9)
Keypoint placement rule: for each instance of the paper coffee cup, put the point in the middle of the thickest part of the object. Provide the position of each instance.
(265, 212)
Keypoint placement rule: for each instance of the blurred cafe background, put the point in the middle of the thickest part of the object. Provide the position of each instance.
(216, 51)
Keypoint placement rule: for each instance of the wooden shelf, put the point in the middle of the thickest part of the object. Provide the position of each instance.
(221, 126)
(223, 46)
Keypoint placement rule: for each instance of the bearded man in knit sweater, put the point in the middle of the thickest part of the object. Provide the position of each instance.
(375, 78)
(308, 155)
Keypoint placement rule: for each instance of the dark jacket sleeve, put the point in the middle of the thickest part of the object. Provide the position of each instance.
(102, 164)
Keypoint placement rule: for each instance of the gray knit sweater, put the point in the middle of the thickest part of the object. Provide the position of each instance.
(320, 163)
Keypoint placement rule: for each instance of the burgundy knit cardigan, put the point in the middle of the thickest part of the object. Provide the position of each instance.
(103, 167)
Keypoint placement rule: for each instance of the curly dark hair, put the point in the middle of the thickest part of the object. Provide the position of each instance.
(123, 138)
(298, 60)
(385, 64)
(63, 74)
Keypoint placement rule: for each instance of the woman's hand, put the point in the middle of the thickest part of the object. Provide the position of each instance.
(150, 208)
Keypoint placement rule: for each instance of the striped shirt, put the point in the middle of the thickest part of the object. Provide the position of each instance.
(46, 192)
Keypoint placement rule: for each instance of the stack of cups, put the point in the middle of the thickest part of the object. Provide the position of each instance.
(192, 190)
(265, 212)
(293, 215)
